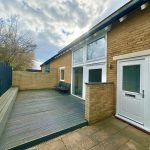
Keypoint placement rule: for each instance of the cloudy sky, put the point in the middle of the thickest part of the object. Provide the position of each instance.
(55, 23)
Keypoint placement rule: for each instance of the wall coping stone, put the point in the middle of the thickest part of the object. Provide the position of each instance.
(7, 101)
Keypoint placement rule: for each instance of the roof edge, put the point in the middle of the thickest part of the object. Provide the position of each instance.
(122, 11)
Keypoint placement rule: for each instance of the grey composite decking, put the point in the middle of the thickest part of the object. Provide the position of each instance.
(41, 113)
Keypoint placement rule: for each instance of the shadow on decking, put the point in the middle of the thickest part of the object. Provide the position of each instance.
(40, 115)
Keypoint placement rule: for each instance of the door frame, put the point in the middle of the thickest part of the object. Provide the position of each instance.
(72, 81)
(146, 122)
(96, 66)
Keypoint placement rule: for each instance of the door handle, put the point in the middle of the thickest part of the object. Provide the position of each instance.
(142, 93)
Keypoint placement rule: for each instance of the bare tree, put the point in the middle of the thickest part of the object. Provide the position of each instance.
(16, 49)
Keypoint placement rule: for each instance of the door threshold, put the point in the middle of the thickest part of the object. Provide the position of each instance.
(77, 96)
(135, 124)
(142, 124)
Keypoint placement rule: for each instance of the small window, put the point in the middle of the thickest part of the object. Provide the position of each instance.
(95, 75)
(47, 68)
(131, 78)
(62, 74)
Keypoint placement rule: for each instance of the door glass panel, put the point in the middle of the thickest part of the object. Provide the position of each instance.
(95, 75)
(78, 81)
(131, 78)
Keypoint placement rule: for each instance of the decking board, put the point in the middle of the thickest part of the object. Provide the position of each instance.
(40, 113)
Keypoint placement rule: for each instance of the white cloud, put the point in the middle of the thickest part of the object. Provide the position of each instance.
(58, 22)
(49, 18)
(36, 64)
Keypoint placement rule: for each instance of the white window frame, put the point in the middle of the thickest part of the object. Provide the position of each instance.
(79, 63)
(86, 64)
(60, 69)
(97, 66)
(99, 58)
(47, 68)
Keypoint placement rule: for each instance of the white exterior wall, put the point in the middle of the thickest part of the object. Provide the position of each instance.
(90, 64)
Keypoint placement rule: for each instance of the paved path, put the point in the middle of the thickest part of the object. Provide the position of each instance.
(110, 134)
(41, 113)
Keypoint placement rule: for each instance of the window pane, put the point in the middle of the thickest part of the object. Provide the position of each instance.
(47, 68)
(131, 78)
(78, 81)
(95, 75)
(96, 49)
(62, 74)
(78, 56)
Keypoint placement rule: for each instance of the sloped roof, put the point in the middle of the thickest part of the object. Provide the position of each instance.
(124, 10)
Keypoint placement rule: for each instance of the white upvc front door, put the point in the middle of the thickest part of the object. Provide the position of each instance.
(131, 89)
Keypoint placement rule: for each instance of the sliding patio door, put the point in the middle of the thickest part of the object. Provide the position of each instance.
(78, 81)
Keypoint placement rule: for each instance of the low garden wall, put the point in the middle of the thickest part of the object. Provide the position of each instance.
(7, 101)
(100, 101)
(34, 80)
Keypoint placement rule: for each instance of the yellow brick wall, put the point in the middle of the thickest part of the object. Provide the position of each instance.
(132, 35)
(99, 103)
(43, 69)
(63, 61)
(34, 80)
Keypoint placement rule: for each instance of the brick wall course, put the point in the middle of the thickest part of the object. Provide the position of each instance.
(64, 60)
(99, 103)
(132, 35)
(34, 80)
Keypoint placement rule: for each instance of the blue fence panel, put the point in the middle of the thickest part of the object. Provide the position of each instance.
(5, 78)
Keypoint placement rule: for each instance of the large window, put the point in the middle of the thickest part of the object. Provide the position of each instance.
(95, 75)
(96, 49)
(62, 74)
(78, 56)
(131, 78)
